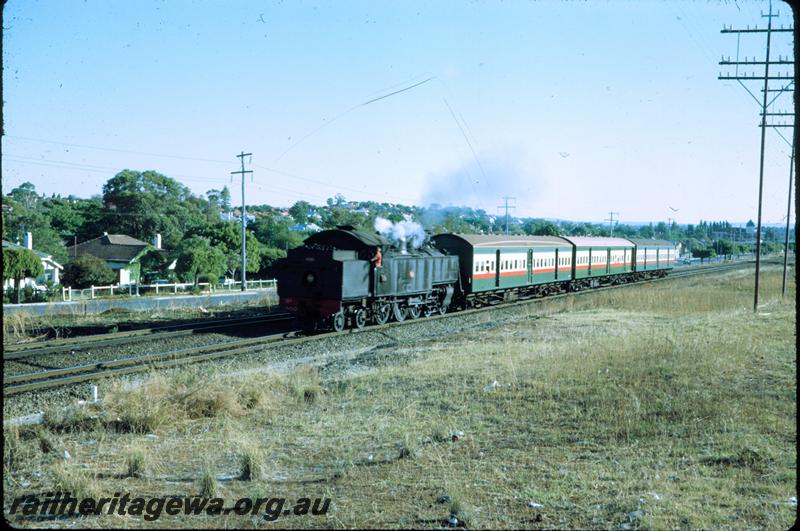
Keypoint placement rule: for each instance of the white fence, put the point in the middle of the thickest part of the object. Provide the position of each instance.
(136, 290)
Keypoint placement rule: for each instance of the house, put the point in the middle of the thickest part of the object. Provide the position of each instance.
(305, 227)
(122, 253)
(52, 269)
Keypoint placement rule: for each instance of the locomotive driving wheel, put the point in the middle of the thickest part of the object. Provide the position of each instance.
(399, 312)
(382, 314)
(338, 321)
(414, 312)
(360, 318)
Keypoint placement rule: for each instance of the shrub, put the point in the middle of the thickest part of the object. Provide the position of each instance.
(87, 270)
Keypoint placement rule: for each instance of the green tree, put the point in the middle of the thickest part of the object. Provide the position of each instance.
(724, 248)
(197, 257)
(142, 204)
(273, 231)
(702, 254)
(19, 264)
(299, 211)
(228, 238)
(87, 270)
(24, 213)
(540, 228)
(220, 198)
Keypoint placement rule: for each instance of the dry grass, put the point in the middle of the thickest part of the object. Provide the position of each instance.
(19, 327)
(667, 405)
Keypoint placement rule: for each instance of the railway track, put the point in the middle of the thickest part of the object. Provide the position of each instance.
(20, 383)
(30, 350)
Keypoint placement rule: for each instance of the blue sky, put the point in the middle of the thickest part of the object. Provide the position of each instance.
(574, 108)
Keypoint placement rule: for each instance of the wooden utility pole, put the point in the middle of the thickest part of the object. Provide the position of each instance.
(611, 220)
(764, 104)
(507, 206)
(242, 172)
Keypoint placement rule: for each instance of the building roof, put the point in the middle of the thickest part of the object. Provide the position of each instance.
(485, 240)
(598, 241)
(653, 243)
(44, 256)
(113, 247)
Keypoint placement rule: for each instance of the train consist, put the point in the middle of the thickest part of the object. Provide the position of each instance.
(347, 278)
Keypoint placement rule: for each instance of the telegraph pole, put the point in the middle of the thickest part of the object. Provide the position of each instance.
(611, 221)
(670, 221)
(242, 172)
(788, 216)
(507, 206)
(764, 104)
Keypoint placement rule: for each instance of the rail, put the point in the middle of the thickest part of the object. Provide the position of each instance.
(26, 382)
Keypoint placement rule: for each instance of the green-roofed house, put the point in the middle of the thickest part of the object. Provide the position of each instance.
(122, 253)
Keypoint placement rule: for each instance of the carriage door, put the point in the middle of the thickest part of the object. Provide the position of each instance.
(556, 271)
(608, 261)
(497, 270)
(530, 266)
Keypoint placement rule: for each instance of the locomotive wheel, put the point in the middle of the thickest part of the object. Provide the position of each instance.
(414, 312)
(429, 311)
(382, 314)
(442, 310)
(399, 312)
(338, 321)
(361, 318)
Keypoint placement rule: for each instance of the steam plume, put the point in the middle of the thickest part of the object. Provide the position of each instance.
(401, 233)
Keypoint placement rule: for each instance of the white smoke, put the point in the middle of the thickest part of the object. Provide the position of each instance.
(402, 233)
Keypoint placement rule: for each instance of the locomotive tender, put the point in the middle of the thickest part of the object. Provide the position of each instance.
(347, 278)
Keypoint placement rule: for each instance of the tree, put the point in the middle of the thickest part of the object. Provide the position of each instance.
(196, 258)
(540, 228)
(87, 270)
(724, 247)
(702, 254)
(273, 231)
(142, 204)
(220, 198)
(25, 213)
(228, 238)
(19, 264)
(300, 210)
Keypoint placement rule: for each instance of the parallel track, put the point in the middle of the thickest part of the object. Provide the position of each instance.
(71, 375)
(30, 350)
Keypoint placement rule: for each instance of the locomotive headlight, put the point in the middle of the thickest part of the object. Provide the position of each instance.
(310, 279)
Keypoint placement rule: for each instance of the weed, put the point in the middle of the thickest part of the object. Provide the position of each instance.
(208, 483)
(251, 463)
(67, 478)
(136, 462)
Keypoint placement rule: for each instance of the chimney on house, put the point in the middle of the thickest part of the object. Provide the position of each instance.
(27, 240)
(157, 241)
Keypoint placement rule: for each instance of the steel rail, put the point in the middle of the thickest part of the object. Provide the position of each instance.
(17, 352)
(70, 375)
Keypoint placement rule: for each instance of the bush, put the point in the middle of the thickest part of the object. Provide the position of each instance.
(87, 270)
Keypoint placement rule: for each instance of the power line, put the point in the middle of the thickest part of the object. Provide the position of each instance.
(89, 167)
(116, 150)
(764, 104)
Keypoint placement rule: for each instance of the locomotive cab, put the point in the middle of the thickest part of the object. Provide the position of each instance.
(332, 268)
(344, 276)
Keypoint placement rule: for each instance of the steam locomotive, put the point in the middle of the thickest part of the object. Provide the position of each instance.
(344, 278)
